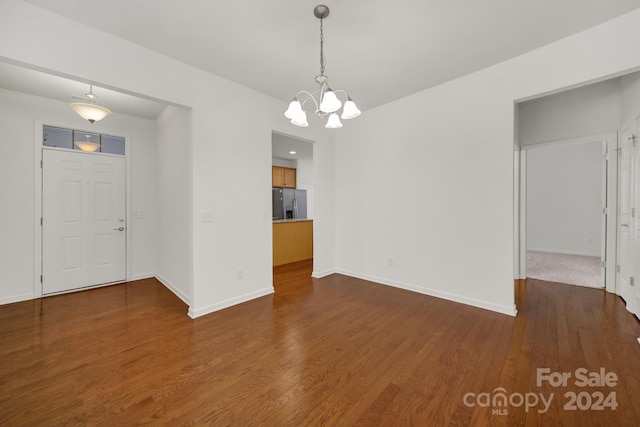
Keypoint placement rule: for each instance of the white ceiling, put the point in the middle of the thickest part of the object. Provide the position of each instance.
(377, 50)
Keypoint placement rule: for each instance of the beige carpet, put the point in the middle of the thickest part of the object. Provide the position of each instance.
(571, 269)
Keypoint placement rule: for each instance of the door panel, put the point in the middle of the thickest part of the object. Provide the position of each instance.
(72, 252)
(83, 207)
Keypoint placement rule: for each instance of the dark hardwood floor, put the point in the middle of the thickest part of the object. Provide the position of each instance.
(333, 351)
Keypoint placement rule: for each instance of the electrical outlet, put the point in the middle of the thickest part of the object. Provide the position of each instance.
(239, 274)
(391, 262)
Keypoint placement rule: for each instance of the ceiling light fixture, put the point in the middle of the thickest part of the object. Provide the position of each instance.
(327, 101)
(90, 110)
(87, 145)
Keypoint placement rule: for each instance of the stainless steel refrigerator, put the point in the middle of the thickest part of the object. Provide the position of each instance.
(289, 203)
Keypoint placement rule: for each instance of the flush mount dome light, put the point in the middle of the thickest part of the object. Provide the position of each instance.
(90, 110)
(327, 101)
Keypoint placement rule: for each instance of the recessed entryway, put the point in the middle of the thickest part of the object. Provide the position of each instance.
(84, 225)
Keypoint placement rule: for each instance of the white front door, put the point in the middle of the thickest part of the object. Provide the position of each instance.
(83, 211)
(625, 203)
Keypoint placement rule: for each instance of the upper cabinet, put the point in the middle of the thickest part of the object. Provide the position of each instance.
(283, 177)
(289, 178)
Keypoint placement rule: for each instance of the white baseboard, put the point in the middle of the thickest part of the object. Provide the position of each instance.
(193, 313)
(167, 284)
(17, 298)
(563, 252)
(141, 277)
(321, 274)
(508, 310)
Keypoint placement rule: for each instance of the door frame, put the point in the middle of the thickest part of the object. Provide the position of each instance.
(632, 300)
(636, 218)
(610, 140)
(37, 201)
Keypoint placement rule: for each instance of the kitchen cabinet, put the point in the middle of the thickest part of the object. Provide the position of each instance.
(283, 177)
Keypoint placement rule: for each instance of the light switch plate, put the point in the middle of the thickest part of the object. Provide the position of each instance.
(206, 216)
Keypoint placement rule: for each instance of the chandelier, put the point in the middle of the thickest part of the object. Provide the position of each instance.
(327, 101)
(90, 110)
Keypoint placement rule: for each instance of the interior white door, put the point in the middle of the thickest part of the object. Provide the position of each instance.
(83, 211)
(625, 242)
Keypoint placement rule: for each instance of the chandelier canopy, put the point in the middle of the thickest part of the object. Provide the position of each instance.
(327, 101)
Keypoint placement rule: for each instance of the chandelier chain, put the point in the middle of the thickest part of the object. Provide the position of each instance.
(322, 58)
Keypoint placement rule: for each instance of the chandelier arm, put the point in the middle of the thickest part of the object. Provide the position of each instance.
(341, 91)
(309, 96)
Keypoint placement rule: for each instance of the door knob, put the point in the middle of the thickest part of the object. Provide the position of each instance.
(119, 228)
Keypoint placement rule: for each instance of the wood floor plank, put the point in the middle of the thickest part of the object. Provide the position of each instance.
(331, 351)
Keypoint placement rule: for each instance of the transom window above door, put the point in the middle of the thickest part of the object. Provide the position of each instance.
(81, 140)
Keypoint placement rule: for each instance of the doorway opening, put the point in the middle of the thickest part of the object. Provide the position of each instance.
(566, 185)
(292, 189)
(566, 200)
(83, 216)
(609, 109)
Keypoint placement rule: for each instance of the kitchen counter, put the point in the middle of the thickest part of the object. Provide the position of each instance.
(292, 240)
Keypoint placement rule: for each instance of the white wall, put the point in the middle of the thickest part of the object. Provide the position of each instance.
(564, 199)
(173, 192)
(16, 203)
(19, 115)
(426, 204)
(428, 180)
(239, 237)
(590, 110)
(304, 181)
(630, 98)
